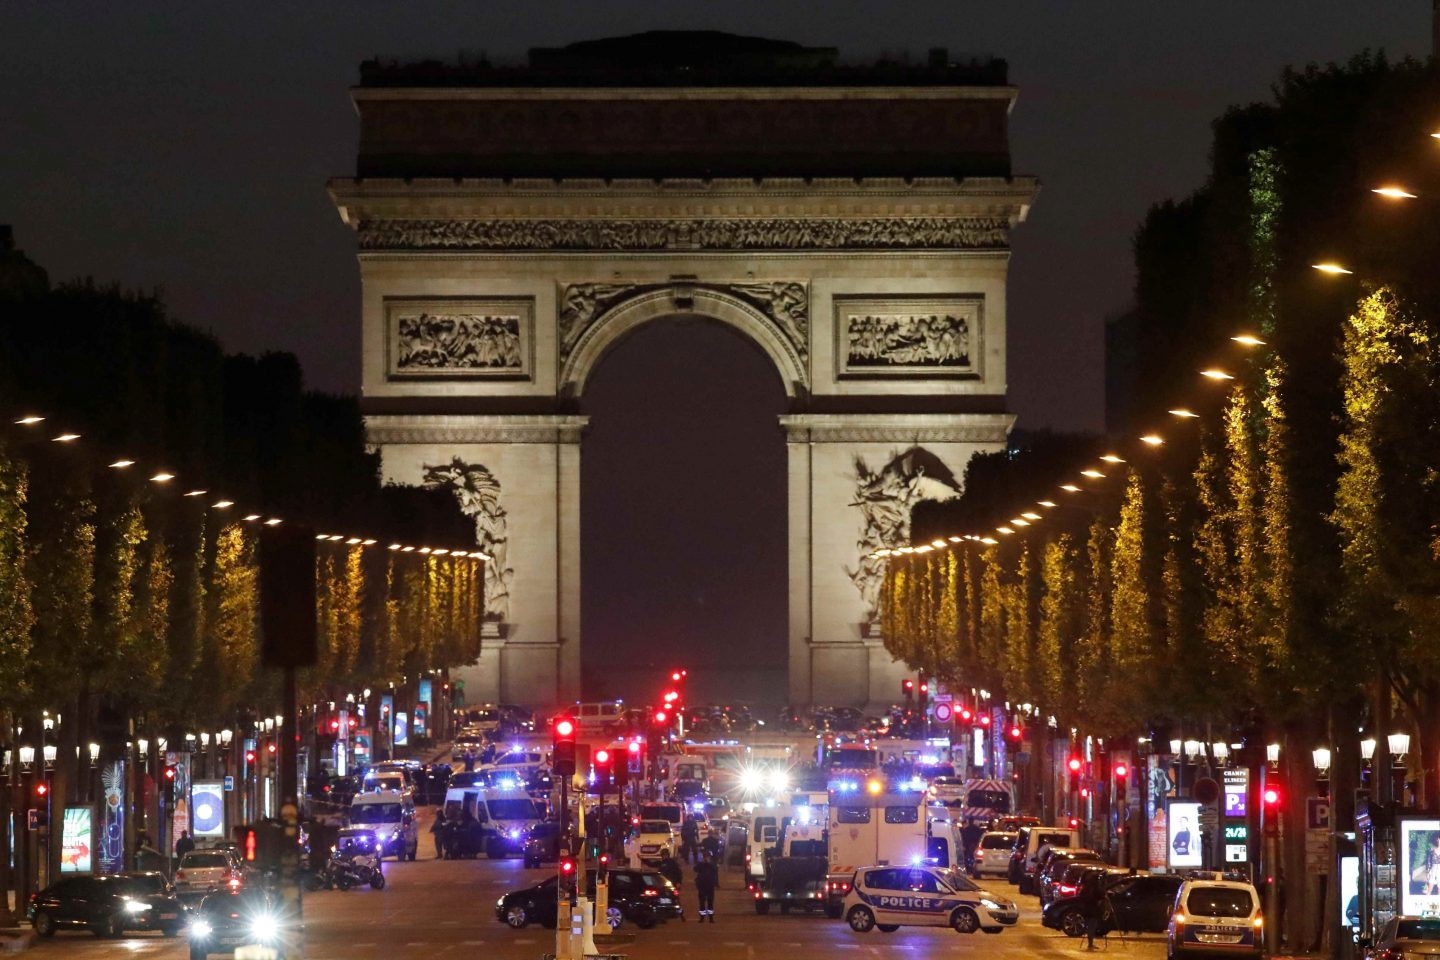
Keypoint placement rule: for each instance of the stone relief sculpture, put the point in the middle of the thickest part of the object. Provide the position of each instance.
(580, 304)
(797, 233)
(907, 339)
(785, 302)
(885, 498)
(439, 341)
(479, 494)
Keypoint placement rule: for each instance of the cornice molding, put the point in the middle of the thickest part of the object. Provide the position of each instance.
(897, 427)
(383, 428)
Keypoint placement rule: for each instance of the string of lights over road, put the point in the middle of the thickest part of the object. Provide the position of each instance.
(165, 479)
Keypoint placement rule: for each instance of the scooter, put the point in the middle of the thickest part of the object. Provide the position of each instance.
(362, 869)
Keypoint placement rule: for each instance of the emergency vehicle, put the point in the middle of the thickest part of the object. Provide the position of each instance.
(890, 897)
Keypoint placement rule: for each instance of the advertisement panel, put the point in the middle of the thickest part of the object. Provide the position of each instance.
(207, 805)
(77, 840)
(1183, 820)
(402, 728)
(111, 841)
(1420, 867)
(1350, 892)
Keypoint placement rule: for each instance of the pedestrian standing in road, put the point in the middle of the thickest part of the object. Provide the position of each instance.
(707, 878)
(670, 869)
(184, 845)
(438, 830)
(710, 846)
(689, 839)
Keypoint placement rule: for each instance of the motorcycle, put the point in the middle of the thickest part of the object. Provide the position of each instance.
(358, 870)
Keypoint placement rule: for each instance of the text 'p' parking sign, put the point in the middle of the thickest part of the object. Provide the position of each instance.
(1236, 788)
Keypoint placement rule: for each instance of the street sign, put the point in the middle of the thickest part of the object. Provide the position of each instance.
(33, 820)
(1317, 813)
(229, 784)
(1237, 791)
(1206, 790)
(1236, 852)
(943, 711)
(1236, 832)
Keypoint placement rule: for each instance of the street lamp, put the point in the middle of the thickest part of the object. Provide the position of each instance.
(27, 757)
(1321, 758)
(1272, 754)
(1367, 749)
(50, 751)
(1221, 751)
(1399, 744)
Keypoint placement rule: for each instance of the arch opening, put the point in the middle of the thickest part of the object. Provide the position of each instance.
(683, 515)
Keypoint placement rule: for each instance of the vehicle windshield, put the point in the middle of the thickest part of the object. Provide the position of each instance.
(202, 861)
(989, 799)
(512, 809)
(996, 841)
(147, 884)
(226, 903)
(654, 826)
(1426, 929)
(660, 812)
(468, 778)
(654, 880)
(959, 882)
(1220, 902)
(375, 813)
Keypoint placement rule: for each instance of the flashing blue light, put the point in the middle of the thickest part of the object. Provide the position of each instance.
(916, 860)
(916, 783)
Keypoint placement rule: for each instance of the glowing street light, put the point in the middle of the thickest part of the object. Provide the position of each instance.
(1152, 439)
(1213, 374)
(1393, 192)
(1183, 413)
(1334, 269)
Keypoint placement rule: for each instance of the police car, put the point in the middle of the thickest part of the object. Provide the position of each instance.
(1215, 917)
(894, 896)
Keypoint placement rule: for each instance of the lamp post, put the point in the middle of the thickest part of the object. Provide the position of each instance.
(1399, 746)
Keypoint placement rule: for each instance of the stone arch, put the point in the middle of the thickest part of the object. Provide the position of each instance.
(618, 320)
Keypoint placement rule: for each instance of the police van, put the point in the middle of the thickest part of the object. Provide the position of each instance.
(391, 814)
(890, 897)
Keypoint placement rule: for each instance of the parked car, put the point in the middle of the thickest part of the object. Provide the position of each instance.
(653, 840)
(992, 854)
(1406, 936)
(234, 918)
(642, 897)
(107, 905)
(1054, 866)
(892, 897)
(1215, 917)
(1132, 903)
(542, 844)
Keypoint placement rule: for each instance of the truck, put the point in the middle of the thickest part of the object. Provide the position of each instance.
(876, 829)
(795, 871)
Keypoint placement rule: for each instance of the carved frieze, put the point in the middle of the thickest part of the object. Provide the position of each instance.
(785, 302)
(908, 336)
(473, 338)
(797, 233)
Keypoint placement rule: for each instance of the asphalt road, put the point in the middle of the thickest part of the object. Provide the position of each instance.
(445, 909)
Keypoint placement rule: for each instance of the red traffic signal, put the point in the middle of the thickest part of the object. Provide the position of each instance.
(1016, 731)
(564, 727)
(1074, 823)
(907, 686)
(602, 758)
(1121, 771)
(1075, 763)
(562, 753)
(634, 747)
(1271, 796)
(249, 844)
(41, 788)
(170, 773)
(677, 675)
(984, 719)
(661, 717)
(567, 867)
(966, 714)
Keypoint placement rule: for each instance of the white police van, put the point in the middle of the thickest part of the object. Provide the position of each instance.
(890, 897)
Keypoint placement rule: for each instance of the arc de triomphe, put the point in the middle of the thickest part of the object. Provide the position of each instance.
(515, 222)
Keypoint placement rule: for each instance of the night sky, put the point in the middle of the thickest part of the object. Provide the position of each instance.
(186, 147)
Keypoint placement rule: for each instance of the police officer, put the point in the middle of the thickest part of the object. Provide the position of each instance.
(707, 878)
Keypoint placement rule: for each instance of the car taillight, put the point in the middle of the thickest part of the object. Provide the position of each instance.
(1179, 918)
(1065, 889)
(1260, 922)
(179, 874)
(650, 892)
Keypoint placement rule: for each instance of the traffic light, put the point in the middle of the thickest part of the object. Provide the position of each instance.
(1016, 732)
(1074, 765)
(1121, 774)
(661, 718)
(626, 763)
(965, 714)
(907, 688)
(924, 690)
(249, 843)
(1271, 797)
(562, 758)
(42, 789)
(169, 777)
(1074, 823)
(604, 763)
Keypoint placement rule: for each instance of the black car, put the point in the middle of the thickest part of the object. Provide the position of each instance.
(1048, 877)
(107, 905)
(230, 918)
(641, 896)
(542, 844)
(1137, 904)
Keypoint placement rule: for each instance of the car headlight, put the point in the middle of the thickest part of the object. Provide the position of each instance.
(200, 928)
(514, 834)
(264, 927)
(500, 904)
(990, 905)
(135, 906)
